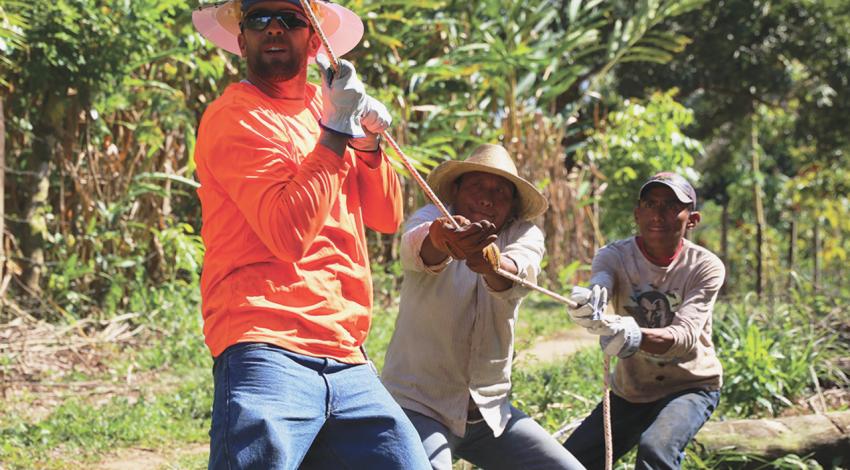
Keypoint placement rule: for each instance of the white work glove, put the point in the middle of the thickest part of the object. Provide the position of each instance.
(374, 120)
(625, 338)
(343, 97)
(619, 336)
(590, 305)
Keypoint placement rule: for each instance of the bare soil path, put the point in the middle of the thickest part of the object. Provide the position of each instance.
(147, 459)
(556, 347)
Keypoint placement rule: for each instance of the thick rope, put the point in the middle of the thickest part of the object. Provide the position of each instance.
(530, 285)
(311, 15)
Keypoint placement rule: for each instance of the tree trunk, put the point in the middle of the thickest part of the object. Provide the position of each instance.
(816, 253)
(759, 207)
(826, 436)
(724, 238)
(724, 231)
(32, 244)
(2, 190)
(839, 278)
(792, 248)
(55, 129)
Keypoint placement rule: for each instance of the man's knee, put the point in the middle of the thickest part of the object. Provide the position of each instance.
(662, 445)
(656, 454)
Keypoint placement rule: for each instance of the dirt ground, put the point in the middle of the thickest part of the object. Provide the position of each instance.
(146, 459)
(561, 345)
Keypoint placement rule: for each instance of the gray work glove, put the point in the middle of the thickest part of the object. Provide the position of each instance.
(622, 338)
(374, 120)
(590, 305)
(343, 98)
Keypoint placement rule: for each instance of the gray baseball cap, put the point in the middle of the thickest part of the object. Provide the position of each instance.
(681, 187)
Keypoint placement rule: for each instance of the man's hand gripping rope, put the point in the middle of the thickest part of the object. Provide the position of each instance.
(618, 335)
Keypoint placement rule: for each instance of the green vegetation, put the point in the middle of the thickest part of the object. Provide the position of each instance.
(772, 353)
(556, 394)
(77, 432)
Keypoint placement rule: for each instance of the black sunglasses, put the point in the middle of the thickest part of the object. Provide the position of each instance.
(261, 20)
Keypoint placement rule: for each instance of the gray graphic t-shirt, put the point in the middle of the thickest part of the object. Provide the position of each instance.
(679, 297)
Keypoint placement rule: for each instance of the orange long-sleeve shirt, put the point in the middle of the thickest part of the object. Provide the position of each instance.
(284, 223)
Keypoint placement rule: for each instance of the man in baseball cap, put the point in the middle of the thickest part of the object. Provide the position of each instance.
(662, 289)
(291, 176)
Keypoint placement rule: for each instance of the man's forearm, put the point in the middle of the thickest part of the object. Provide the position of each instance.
(497, 282)
(334, 141)
(656, 340)
(430, 254)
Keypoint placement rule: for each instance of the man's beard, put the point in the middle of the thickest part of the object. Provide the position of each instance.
(276, 70)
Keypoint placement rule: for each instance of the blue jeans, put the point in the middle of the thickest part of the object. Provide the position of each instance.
(523, 444)
(661, 429)
(274, 409)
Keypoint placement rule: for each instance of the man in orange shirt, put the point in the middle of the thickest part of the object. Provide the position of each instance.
(291, 174)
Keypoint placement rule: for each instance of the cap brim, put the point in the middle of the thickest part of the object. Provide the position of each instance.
(218, 24)
(680, 195)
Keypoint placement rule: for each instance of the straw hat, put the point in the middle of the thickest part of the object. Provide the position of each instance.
(492, 159)
(219, 23)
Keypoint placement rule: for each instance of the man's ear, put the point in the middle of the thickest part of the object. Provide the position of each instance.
(693, 219)
(516, 207)
(455, 188)
(315, 43)
(240, 38)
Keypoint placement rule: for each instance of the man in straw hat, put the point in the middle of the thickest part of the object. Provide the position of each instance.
(449, 361)
(291, 174)
(667, 381)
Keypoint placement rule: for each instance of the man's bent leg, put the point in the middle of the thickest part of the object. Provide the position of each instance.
(437, 440)
(366, 427)
(268, 406)
(524, 444)
(628, 421)
(679, 418)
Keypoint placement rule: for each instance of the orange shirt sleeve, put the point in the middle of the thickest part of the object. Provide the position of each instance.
(380, 192)
(285, 199)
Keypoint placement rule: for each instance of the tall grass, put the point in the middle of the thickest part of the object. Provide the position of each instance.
(558, 393)
(769, 351)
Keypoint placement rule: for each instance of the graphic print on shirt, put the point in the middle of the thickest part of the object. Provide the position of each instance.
(652, 308)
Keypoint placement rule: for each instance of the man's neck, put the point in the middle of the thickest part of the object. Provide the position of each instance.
(660, 256)
(292, 89)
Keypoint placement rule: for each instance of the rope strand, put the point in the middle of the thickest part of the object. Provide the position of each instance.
(606, 415)
(311, 15)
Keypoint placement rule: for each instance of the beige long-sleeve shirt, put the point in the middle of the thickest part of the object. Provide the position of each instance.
(454, 335)
(680, 298)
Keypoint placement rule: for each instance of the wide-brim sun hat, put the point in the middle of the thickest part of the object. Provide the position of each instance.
(219, 23)
(493, 159)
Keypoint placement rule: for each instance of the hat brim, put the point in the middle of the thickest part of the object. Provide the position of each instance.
(219, 23)
(532, 202)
